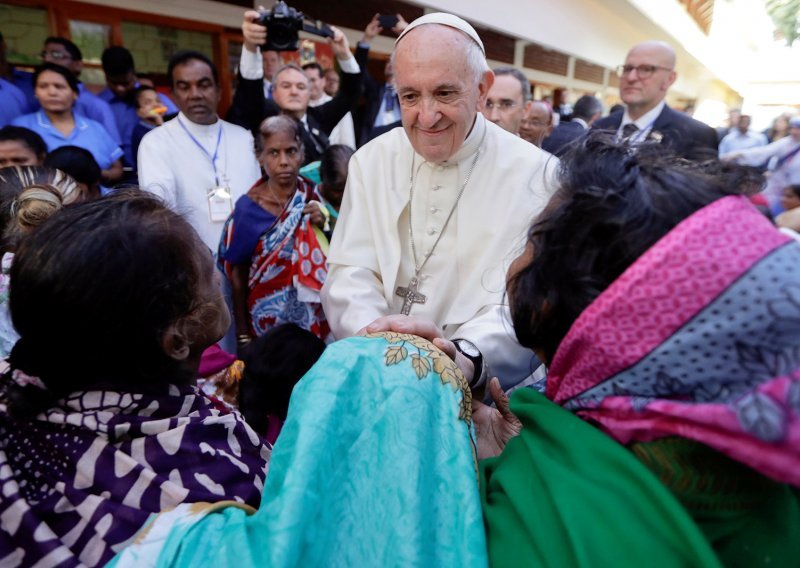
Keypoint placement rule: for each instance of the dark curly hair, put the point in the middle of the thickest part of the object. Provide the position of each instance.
(92, 292)
(273, 364)
(614, 202)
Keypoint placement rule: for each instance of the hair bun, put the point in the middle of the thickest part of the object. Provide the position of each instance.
(36, 204)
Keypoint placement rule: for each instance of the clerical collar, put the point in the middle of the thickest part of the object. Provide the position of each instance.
(645, 121)
(200, 130)
(470, 145)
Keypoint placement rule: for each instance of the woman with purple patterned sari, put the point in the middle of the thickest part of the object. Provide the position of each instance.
(100, 422)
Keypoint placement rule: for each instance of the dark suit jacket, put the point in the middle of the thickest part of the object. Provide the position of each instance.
(562, 135)
(365, 115)
(683, 135)
(250, 108)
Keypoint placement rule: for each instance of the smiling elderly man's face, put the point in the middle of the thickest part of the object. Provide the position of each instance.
(440, 94)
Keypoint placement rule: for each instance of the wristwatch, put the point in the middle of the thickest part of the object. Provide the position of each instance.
(481, 369)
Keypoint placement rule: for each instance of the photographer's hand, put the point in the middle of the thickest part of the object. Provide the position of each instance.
(254, 34)
(340, 45)
(400, 25)
(373, 28)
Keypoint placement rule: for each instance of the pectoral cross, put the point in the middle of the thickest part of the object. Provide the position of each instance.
(410, 296)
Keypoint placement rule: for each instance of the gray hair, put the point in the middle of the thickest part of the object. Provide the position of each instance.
(519, 76)
(586, 107)
(286, 66)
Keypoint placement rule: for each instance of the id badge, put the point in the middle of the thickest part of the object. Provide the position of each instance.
(220, 204)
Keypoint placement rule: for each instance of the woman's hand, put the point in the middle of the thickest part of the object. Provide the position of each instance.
(494, 427)
(312, 209)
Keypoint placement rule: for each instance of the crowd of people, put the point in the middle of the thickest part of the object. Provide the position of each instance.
(425, 321)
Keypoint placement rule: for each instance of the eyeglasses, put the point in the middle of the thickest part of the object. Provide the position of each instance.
(642, 71)
(502, 105)
(56, 55)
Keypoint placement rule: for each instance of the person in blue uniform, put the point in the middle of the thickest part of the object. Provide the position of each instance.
(122, 83)
(58, 124)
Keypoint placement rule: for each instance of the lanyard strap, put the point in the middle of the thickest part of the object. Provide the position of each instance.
(213, 158)
(786, 157)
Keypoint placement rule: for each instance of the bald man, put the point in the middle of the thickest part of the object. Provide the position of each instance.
(644, 79)
(537, 124)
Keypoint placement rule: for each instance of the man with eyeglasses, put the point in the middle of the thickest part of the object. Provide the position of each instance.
(644, 79)
(537, 124)
(509, 99)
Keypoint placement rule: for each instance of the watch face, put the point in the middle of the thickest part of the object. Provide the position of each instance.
(467, 348)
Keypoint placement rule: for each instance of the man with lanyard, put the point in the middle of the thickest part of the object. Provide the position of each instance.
(198, 163)
(434, 212)
(644, 79)
(119, 94)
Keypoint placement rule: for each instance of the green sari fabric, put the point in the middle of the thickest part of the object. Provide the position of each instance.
(748, 518)
(562, 493)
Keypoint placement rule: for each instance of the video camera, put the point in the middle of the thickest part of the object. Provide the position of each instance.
(283, 24)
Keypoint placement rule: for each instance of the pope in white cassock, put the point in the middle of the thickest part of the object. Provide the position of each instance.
(434, 213)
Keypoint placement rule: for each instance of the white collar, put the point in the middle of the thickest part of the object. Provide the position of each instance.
(200, 130)
(580, 121)
(43, 121)
(647, 119)
(320, 101)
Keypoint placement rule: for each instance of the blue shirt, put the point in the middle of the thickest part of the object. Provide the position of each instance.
(23, 80)
(88, 104)
(735, 140)
(87, 134)
(12, 102)
(124, 111)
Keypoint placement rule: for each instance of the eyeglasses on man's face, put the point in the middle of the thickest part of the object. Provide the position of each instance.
(501, 105)
(642, 71)
(54, 55)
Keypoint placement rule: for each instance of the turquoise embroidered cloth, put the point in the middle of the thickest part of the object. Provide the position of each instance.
(375, 466)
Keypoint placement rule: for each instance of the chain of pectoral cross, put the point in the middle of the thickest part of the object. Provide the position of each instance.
(410, 293)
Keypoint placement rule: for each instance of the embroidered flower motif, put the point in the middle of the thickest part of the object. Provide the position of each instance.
(426, 359)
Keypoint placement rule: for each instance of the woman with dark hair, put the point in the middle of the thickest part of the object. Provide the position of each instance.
(100, 422)
(272, 248)
(333, 179)
(21, 147)
(56, 89)
(79, 164)
(665, 308)
(273, 364)
(29, 195)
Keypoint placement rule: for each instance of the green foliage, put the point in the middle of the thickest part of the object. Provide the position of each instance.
(786, 16)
